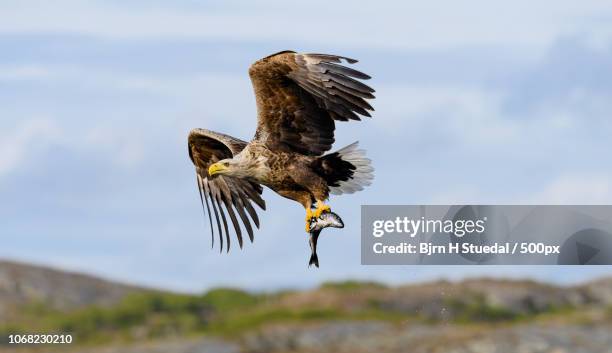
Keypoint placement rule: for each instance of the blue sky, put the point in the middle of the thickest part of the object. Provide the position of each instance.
(477, 102)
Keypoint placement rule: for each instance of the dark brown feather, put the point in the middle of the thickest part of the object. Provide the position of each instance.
(299, 96)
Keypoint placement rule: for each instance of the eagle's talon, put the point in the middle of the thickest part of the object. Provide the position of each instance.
(321, 208)
(309, 214)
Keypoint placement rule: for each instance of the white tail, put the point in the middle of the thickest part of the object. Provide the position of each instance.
(362, 174)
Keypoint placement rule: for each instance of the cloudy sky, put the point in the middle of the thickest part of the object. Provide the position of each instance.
(478, 101)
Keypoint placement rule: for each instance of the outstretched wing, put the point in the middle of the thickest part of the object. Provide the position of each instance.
(299, 96)
(224, 192)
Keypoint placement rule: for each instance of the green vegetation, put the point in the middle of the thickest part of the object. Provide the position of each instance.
(227, 299)
(478, 311)
(230, 312)
(223, 312)
(352, 285)
(141, 315)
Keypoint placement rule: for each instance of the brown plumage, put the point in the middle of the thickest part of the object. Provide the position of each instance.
(299, 97)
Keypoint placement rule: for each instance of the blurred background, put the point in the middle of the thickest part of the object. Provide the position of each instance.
(484, 102)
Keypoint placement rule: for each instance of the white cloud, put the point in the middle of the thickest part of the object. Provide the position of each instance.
(16, 143)
(123, 147)
(575, 189)
(470, 114)
(199, 84)
(392, 24)
(23, 72)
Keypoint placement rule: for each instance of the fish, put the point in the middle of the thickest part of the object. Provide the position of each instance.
(325, 220)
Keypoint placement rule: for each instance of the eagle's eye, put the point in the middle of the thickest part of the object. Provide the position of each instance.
(226, 164)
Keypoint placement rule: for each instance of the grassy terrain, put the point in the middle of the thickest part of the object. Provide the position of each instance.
(226, 313)
(221, 312)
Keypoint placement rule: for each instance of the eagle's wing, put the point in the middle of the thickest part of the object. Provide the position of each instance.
(299, 96)
(205, 148)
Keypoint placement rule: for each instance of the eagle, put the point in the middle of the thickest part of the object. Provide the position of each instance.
(299, 98)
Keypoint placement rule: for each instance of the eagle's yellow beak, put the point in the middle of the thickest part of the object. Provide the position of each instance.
(215, 168)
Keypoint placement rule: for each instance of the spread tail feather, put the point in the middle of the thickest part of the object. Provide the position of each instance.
(347, 170)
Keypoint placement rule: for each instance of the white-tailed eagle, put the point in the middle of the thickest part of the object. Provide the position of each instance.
(299, 97)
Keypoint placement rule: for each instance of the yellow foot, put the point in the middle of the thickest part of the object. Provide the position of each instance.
(308, 217)
(321, 207)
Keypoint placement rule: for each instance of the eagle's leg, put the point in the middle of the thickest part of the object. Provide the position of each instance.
(321, 207)
(309, 215)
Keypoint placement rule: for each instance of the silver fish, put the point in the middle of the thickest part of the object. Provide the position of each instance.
(325, 220)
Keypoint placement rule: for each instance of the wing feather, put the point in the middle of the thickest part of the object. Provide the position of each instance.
(227, 201)
(245, 220)
(226, 194)
(344, 81)
(204, 197)
(324, 67)
(214, 205)
(300, 96)
(223, 219)
(252, 213)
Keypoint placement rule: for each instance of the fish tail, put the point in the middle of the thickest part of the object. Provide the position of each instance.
(314, 260)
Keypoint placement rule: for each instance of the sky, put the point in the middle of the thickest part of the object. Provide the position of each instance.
(484, 102)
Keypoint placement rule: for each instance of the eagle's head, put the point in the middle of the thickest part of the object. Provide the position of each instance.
(230, 167)
(222, 167)
(243, 165)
